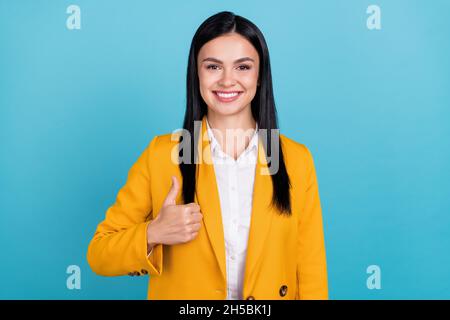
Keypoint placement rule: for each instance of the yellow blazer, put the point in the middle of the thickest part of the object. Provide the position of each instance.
(285, 255)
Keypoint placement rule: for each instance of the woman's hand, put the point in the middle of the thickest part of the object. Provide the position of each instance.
(175, 223)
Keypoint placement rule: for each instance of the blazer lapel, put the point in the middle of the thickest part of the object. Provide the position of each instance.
(208, 198)
(209, 201)
(261, 218)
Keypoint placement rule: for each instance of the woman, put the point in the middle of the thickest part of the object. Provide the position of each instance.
(229, 208)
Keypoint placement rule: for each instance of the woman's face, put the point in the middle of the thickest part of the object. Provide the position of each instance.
(228, 68)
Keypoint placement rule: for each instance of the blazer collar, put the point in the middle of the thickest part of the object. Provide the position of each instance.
(215, 146)
(208, 199)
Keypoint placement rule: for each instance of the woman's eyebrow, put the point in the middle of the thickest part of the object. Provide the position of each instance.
(236, 61)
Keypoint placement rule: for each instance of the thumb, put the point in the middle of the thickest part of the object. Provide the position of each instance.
(173, 192)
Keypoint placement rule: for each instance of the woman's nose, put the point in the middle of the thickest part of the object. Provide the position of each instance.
(227, 79)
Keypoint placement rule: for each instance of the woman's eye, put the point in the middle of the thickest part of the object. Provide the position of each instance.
(212, 67)
(244, 67)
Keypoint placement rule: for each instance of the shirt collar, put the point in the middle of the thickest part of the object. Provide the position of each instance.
(215, 146)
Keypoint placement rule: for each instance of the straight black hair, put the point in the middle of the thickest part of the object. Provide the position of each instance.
(262, 106)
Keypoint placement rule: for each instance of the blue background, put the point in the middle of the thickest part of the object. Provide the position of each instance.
(77, 107)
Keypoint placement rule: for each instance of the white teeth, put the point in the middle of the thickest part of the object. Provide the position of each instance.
(227, 95)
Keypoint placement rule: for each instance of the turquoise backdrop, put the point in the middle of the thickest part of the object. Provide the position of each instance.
(78, 106)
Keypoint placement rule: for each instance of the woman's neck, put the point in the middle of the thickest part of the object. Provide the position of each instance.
(233, 132)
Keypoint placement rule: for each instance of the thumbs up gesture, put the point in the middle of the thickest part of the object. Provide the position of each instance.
(175, 223)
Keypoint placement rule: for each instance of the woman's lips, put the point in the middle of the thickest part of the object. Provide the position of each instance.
(227, 96)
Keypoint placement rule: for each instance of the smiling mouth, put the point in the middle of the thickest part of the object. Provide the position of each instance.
(227, 96)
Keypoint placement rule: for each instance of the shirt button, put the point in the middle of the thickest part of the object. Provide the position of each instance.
(233, 257)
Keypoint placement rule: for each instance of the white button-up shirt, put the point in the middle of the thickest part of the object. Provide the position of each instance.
(235, 180)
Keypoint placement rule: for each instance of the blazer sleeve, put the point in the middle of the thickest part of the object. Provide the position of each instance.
(119, 245)
(311, 263)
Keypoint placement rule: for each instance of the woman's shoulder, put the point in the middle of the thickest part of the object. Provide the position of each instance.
(165, 139)
(295, 149)
(298, 159)
(162, 144)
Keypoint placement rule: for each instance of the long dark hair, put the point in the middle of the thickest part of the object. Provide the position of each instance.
(262, 106)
